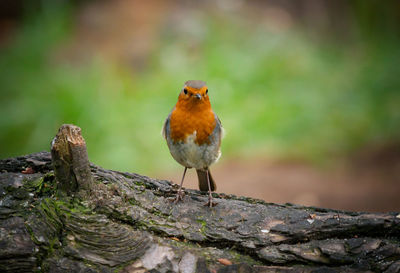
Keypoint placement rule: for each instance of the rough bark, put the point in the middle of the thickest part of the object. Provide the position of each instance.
(128, 224)
(70, 160)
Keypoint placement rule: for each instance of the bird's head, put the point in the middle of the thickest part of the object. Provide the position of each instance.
(194, 92)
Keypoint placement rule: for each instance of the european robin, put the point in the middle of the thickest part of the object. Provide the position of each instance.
(193, 133)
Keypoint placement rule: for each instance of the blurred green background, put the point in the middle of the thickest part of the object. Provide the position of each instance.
(307, 80)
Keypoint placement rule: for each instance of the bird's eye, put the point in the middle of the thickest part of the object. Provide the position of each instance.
(185, 91)
(206, 91)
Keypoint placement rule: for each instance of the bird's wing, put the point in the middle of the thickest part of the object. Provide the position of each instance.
(165, 128)
(219, 130)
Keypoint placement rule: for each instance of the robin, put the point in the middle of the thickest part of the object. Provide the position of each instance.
(193, 133)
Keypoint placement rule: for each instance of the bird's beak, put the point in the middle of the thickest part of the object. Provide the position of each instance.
(198, 96)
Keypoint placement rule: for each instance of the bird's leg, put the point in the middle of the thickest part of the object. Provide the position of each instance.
(210, 202)
(180, 193)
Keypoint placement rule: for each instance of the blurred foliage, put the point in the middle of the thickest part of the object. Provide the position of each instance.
(277, 93)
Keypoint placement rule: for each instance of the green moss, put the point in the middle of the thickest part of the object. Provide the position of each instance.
(45, 214)
(43, 186)
(50, 210)
(133, 202)
(78, 207)
(34, 185)
(203, 224)
(32, 235)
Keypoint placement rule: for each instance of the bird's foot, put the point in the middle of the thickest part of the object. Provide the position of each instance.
(210, 203)
(179, 196)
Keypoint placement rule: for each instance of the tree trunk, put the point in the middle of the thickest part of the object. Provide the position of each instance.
(129, 224)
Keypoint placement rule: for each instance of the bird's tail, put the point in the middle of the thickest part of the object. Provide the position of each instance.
(203, 184)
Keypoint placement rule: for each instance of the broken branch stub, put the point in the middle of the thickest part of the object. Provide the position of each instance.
(70, 160)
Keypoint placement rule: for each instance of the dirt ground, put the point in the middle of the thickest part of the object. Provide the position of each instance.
(369, 181)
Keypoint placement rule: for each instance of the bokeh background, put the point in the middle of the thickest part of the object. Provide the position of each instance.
(308, 90)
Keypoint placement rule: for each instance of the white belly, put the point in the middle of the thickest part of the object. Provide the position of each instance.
(192, 155)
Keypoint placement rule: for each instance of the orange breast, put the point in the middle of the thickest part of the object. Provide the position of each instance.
(184, 122)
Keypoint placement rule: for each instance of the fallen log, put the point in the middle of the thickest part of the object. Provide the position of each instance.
(111, 221)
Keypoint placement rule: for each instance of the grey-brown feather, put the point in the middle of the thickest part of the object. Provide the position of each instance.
(195, 84)
(165, 128)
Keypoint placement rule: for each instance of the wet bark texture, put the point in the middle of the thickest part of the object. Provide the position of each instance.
(128, 224)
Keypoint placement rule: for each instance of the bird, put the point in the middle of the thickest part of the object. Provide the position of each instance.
(193, 133)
